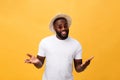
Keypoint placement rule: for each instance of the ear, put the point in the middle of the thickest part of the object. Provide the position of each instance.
(54, 27)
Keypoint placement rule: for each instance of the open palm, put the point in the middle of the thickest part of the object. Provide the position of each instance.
(32, 59)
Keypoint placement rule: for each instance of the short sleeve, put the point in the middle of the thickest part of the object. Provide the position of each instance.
(78, 52)
(41, 49)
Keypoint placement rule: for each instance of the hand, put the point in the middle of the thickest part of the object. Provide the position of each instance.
(87, 62)
(32, 59)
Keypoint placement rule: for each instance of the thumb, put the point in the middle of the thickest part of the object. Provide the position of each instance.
(91, 58)
(29, 55)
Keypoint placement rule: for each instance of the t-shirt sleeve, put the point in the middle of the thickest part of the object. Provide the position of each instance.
(41, 49)
(78, 52)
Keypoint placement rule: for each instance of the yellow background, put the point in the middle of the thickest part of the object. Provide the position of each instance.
(96, 24)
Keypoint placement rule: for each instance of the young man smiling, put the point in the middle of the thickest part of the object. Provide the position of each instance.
(60, 51)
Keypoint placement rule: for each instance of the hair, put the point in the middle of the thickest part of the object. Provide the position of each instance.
(58, 19)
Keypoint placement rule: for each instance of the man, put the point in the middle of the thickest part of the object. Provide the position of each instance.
(60, 51)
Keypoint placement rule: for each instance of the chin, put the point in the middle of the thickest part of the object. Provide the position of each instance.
(65, 37)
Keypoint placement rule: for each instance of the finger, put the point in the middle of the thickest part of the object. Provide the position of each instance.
(91, 58)
(29, 55)
(27, 61)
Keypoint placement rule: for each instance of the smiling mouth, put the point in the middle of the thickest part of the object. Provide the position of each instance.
(63, 32)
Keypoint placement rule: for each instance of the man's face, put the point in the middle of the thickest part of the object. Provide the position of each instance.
(61, 28)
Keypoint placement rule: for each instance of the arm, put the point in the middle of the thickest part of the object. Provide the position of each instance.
(79, 66)
(37, 61)
(42, 61)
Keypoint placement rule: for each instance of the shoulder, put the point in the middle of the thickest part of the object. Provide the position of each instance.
(75, 41)
(47, 39)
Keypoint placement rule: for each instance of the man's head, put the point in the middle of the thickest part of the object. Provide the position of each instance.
(61, 28)
(60, 24)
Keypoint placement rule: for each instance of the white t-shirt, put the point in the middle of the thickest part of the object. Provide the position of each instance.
(59, 57)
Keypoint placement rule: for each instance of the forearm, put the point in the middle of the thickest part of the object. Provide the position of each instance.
(82, 67)
(38, 64)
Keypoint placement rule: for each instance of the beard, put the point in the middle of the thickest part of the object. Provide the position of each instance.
(63, 36)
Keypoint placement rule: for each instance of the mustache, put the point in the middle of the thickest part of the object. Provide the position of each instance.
(64, 31)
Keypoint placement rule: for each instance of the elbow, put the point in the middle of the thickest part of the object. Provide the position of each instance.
(38, 67)
(79, 70)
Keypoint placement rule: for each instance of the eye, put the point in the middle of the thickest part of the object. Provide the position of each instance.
(60, 27)
(66, 25)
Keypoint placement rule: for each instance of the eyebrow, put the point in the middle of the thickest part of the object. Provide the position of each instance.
(61, 24)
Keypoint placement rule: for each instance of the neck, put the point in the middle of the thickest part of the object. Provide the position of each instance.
(60, 38)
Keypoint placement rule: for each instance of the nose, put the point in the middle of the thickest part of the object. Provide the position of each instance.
(63, 28)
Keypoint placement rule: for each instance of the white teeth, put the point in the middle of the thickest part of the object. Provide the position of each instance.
(64, 32)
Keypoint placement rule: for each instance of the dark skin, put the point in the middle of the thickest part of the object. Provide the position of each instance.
(37, 61)
(62, 30)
